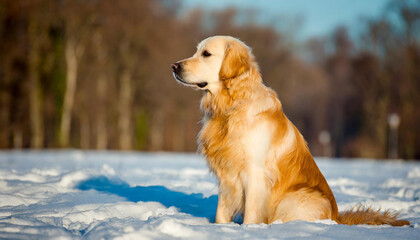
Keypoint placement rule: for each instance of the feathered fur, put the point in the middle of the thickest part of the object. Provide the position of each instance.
(363, 215)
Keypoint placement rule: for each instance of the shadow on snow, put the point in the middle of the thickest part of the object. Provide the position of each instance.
(195, 204)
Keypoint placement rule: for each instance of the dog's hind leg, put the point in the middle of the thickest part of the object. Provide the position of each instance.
(304, 205)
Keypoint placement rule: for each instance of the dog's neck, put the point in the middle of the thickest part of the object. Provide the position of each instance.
(234, 90)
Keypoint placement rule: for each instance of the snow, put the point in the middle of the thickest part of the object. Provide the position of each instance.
(113, 195)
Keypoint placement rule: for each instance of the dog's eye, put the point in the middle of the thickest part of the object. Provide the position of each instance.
(206, 53)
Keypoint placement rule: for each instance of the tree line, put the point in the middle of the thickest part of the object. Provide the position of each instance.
(96, 75)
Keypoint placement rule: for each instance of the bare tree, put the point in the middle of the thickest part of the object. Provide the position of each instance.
(101, 92)
(78, 17)
(37, 35)
(125, 101)
(73, 53)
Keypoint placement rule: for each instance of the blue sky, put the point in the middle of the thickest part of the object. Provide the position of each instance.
(319, 17)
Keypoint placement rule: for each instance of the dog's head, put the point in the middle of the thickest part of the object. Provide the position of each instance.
(217, 59)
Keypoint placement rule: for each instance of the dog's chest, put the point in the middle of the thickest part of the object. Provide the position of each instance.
(235, 143)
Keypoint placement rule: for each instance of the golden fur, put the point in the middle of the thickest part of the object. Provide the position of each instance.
(264, 167)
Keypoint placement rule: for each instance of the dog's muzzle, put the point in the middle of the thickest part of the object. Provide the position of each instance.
(176, 71)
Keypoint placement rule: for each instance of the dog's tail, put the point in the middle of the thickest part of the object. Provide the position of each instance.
(366, 215)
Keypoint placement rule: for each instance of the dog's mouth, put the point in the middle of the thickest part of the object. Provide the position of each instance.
(179, 79)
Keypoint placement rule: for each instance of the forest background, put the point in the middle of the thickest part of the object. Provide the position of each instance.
(96, 75)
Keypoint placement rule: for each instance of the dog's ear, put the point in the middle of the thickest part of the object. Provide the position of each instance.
(236, 60)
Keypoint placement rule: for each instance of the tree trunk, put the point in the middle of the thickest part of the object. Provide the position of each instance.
(37, 121)
(84, 131)
(157, 130)
(35, 103)
(5, 100)
(17, 137)
(101, 91)
(124, 109)
(179, 132)
(72, 52)
(101, 130)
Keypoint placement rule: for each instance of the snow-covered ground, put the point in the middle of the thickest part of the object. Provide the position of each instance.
(107, 195)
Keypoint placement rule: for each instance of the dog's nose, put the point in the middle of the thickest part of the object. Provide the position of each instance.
(176, 67)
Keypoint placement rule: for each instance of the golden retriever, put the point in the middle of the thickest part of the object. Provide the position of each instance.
(264, 167)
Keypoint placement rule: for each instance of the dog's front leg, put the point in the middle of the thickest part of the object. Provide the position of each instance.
(255, 197)
(256, 142)
(223, 214)
(230, 201)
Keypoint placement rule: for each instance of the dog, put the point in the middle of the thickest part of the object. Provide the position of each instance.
(264, 167)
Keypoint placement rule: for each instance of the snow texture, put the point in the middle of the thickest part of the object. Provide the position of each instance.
(112, 195)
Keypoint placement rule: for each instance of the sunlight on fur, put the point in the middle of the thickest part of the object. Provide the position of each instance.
(265, 170)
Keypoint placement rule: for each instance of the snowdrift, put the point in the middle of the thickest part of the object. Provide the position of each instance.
(92, 195)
